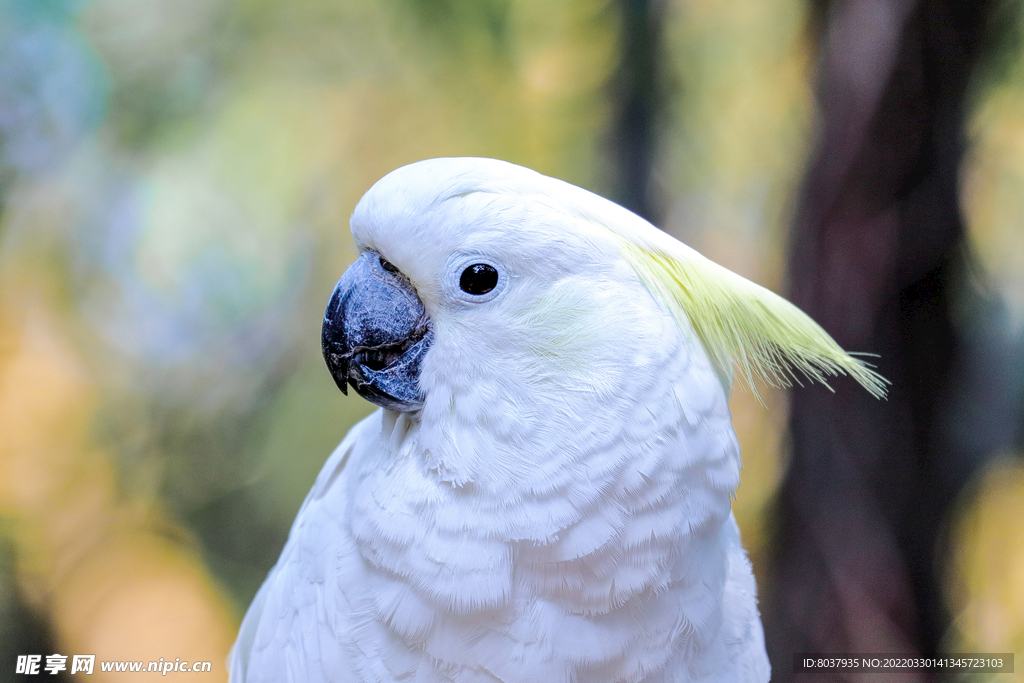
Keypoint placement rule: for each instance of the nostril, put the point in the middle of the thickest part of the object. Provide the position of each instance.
(378, 359)
(375, 360)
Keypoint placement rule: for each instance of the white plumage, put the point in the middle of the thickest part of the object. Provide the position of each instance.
(558, 510)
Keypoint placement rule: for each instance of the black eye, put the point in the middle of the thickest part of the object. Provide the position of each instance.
(388, 265)
(478, 279)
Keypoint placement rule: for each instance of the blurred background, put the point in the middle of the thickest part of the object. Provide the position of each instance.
(176, 178)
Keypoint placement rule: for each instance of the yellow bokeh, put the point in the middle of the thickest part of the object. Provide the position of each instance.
(985, 584)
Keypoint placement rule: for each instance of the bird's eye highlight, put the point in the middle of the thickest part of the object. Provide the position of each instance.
(478, 279)
(388, 265)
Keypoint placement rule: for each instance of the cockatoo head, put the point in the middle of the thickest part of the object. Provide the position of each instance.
(524, 280)
(490, 261)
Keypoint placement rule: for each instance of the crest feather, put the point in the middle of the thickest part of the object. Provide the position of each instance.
(743, 324)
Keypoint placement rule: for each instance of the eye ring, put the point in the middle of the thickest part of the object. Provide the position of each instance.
(478, 279)
(489, 279)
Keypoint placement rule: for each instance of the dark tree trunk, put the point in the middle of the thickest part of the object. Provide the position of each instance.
(637, 99)
(876, 257)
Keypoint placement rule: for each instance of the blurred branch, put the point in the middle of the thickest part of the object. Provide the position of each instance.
(638, 99)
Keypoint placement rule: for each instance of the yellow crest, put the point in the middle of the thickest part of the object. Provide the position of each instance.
(743, 324)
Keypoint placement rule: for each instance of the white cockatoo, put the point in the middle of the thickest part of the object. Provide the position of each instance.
(544, 495)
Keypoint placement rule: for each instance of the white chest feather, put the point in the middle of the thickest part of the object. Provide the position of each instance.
(596, 547)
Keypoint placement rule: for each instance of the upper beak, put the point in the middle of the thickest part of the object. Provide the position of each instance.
(375, 335)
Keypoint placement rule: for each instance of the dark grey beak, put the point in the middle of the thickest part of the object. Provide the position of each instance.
(375, 335)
